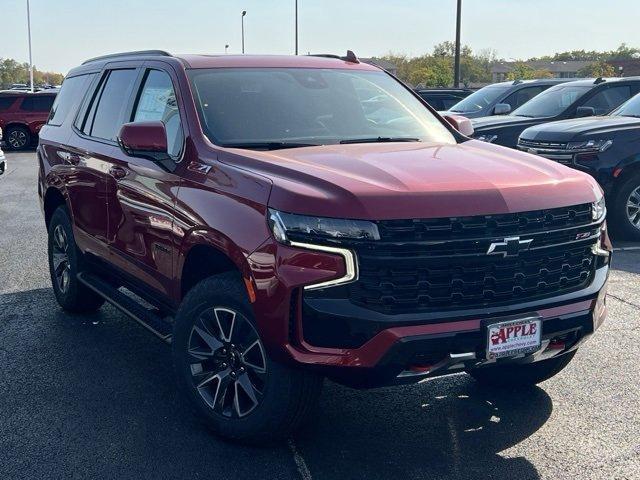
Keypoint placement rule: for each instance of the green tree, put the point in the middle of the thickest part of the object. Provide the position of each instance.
(597, 69)
(522, 71)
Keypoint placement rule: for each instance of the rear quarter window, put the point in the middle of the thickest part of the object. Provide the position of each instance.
(70, 96)
(6, 102)
(40, 103)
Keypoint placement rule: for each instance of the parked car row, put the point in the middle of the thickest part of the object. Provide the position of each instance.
(22, 114)
(568, 123)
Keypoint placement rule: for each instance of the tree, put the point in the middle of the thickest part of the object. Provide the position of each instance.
(597, 69)
(14, 72)
(522, 71)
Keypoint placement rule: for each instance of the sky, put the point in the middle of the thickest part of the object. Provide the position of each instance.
(66, 32)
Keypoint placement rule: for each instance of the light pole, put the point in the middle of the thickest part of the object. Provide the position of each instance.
(244, 12)
(226, 47)
(296, 27)
(30, 58)
(456, 68)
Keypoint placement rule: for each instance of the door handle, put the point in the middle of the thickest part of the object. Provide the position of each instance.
(117, 172)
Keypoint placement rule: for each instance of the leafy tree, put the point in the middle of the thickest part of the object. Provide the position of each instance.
(15, 72)
(597, 69)
(522, 71)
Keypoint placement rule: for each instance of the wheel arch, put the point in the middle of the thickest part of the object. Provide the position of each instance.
(53, 198)
(205, 253)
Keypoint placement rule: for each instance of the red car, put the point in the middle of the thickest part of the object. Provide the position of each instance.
(22, 114)
(283, 219)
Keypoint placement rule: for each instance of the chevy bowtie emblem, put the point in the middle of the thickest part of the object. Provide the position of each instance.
(509, 247)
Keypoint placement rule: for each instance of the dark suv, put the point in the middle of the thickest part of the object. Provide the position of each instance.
(606, 147)
(500, 98)
(283, 219)
(22, 114)
(583, 98)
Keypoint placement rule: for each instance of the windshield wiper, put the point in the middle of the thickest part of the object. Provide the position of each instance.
(268, 145)
(379, 140)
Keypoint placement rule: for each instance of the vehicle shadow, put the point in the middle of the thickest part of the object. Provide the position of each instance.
(447, 428)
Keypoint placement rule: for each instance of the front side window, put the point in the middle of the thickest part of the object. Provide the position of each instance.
(609, 98)
(40, 103)
(480, 99)
(157, 102)
(522, 96)
(107, 110)
(553, 101)
(310, 106)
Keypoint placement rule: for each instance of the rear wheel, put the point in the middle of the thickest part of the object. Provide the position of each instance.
(225, 372)
(626, 209)
(517, 375)
(17, 138)
(64, 266)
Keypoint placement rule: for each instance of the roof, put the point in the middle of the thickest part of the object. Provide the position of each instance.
(592, 81)
(535, 81)
(273, 61)
(230, 61)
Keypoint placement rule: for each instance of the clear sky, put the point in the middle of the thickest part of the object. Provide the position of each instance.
(67, 31)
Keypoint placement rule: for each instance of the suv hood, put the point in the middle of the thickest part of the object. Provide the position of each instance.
(580, 128)
(497, 121)
(414, 180)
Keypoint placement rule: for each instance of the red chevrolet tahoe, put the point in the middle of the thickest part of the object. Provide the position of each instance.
(22, 114)
(281, 219)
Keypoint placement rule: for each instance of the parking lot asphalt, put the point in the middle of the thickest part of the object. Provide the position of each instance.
(93, 397)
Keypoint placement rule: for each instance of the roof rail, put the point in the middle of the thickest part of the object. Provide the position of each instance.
(157, 53)
(517, 82)
(349, 57)
(599, 80)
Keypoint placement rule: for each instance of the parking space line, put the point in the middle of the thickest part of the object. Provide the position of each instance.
(303, 469)
(626, 249)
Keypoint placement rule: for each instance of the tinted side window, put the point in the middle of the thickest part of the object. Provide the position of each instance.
(6, 102)
(522, 96)
(41, 103)
(608, 98)
(69, 97)
(157, 102)
(107, 114)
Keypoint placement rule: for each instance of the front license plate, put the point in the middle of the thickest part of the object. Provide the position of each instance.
(513, 337)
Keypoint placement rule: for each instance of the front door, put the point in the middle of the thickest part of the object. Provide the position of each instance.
(141, 193)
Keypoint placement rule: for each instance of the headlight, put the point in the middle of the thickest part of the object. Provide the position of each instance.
(486, 138)
(590, 145)
(598, 209)
(288, 226)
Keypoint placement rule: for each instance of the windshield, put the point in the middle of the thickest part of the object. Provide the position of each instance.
(631, 108)
(480, 99)
(303, 106)
(552, 102)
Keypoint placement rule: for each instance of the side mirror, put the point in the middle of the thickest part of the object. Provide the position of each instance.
(585, 112)
(144, 139)
(501, 109)
(461, 124)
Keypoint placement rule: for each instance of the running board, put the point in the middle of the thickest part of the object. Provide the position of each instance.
(127, 305)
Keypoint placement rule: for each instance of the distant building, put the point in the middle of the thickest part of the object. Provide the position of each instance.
(388, 66)
(626, 68)
(559, 69)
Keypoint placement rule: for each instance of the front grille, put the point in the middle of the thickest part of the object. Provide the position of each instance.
(425, 265)
(552, 150)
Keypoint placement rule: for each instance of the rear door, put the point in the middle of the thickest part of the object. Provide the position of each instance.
(89, 151)
(141, 193)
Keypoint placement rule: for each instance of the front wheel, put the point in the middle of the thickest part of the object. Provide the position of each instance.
(626, 209)
(519, 375)
(225, 372)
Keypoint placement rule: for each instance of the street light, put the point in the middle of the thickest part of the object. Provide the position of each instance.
(296, 27)
(244, 12)
(30, 59)
(456, 68)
